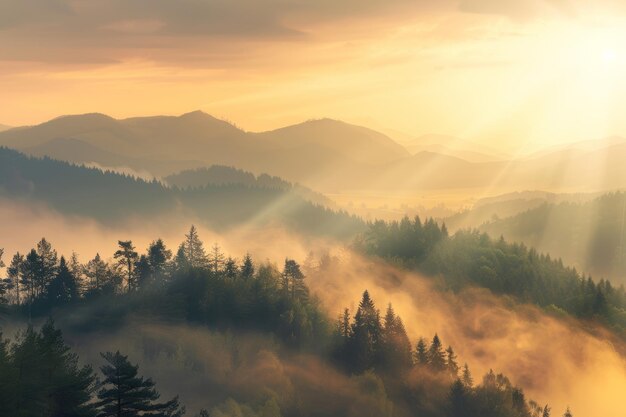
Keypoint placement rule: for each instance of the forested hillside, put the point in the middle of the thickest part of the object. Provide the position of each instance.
(224, 175)
(114, 198)
(590, 235)
(473, 258)
(363, 365)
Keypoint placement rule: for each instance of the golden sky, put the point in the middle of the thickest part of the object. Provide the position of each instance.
(508, 73)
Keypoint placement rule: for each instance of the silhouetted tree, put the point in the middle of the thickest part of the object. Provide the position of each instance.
(247, 267)
(459, 401)
(466, 377)
(124, 394)
(15, 272)
(293, 280)
(63, 288)
(194, 249)
(231, 270)
(568, 413)
(421, 352)
(451, 364)
(436, 355)
(216, 260)
(127, 257)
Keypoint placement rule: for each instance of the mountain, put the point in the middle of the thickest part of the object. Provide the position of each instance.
(314, 151)
(113, 198)
(326, 155)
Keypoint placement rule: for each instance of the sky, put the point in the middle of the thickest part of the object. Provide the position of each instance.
(510, 74)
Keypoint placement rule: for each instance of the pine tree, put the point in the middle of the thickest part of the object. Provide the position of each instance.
(63, 288)
(231, 270)
(194, 249)
(96, 273)
(467, 379)
(216, 260)
(247, 267)
(568, 413)
(15, 271)
(127, 257)
(436, 355)
(421, 352)
(395, 346)
(126, 394)
(344, 324)
(158, 257)
(363, 346)
(29, 275)
(180, 259)
(68, 386)
(458, 399)
(47, 265)
(293, 281)
(451, 364)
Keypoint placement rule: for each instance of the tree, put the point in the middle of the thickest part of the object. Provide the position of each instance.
(568, 413)
(458, 399)
(395, 345)
(247, 267)
(193, 249)
(216, 260)
(15, 271)
(158, 257)
(29, 275)
(63, 288)
(127, 257)
(293, 280)
(49, 381)
(436, 356)
(451, 363)
(421, 352)
(231, 270)
(123, 393)
(96, 273)
(48, 261)
(364, 343)
(466, 377)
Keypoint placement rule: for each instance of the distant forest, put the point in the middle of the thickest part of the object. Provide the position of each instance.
(590, 235)
(225, 175)
(473, 258)
(382, 372)
(111, 197)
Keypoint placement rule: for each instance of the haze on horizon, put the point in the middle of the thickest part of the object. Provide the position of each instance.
(513, 74)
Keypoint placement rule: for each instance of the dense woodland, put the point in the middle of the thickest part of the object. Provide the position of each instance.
(225, 175)
(590, 235)
(473, 258)
(110, 197)
(40, 375)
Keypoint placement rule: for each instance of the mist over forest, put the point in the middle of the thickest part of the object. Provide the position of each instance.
(312, 209)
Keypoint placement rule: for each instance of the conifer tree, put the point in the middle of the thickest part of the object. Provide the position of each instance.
(366, 333)
(568, 413)
(125, 394)
(216, 260)
(436, 355)
(126, 258)
(193, 249)
(63, 288)
(421, 352)
(96, 273)
(47, 265)
(451, 364)
(458, 398)
(15, 272)
(293, 280)
(247, 267)
(231, 270)
(158, 257)
(546, 411)
(467, 379)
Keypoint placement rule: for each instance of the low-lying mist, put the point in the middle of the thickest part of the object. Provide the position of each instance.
(555, 359)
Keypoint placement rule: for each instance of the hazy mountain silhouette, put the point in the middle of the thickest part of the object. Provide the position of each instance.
(114, 198)
(326, 155)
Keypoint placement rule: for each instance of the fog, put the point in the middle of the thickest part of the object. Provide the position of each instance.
(557, 360)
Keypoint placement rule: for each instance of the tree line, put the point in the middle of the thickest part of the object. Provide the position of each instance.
(470, 257)
(209, 288)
